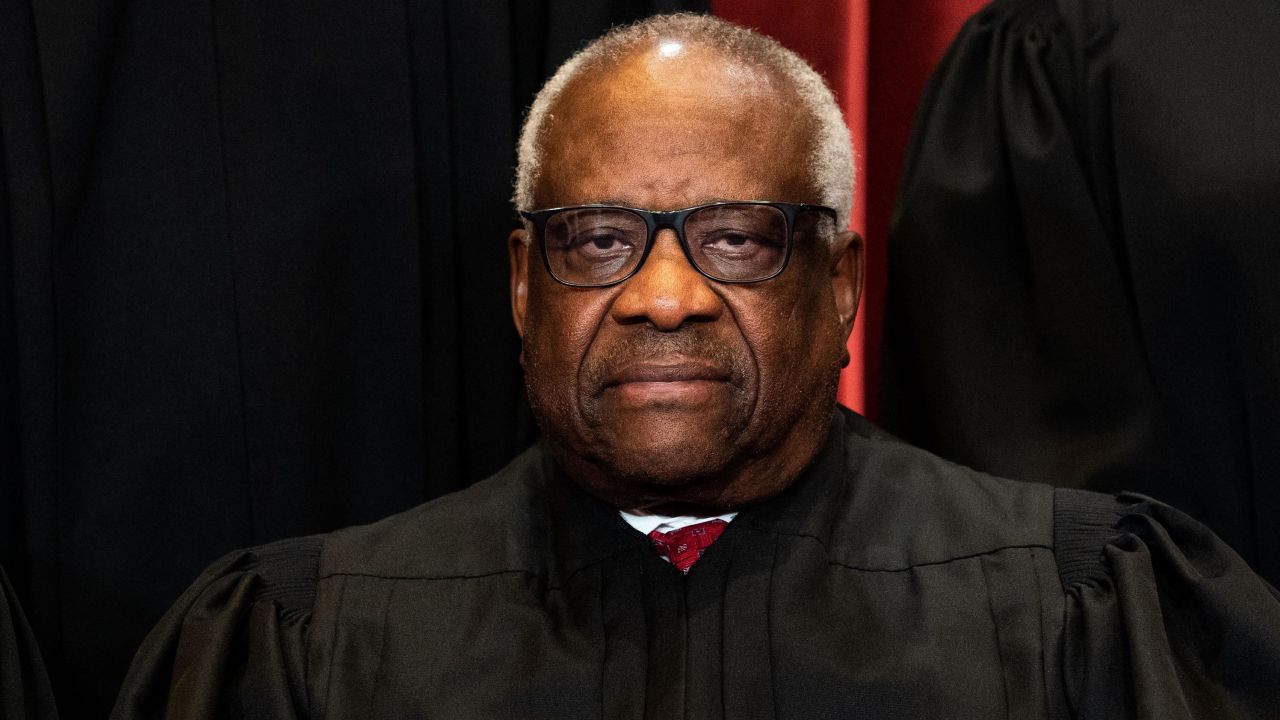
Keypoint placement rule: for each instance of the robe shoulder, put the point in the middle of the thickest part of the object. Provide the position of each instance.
(494, 526)
(1160, 617)
(24, 684)
(1163, 619)
(894, 506)
(234, 644)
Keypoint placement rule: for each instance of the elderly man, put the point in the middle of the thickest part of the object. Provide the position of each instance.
(703, 533)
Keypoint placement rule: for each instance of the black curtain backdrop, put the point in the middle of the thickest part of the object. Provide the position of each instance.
(1084, 257)
(254, 283)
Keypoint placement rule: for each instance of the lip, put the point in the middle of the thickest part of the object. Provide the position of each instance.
(665, 385)
(666, 372)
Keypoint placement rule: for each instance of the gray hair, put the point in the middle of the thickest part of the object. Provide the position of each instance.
(831, 158)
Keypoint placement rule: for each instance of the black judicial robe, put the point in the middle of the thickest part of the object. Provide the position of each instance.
(1084, 254)
(24, 684)
(885, 584)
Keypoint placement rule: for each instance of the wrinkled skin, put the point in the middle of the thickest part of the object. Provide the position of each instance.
(671, 391)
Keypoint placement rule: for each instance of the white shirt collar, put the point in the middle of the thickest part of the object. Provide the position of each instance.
(646, 523)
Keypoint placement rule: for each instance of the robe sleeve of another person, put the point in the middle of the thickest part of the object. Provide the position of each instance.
(234, 644)
(1166, 622)
(24, 685)
(1083, 256)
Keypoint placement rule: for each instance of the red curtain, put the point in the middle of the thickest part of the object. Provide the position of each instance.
(877, 56)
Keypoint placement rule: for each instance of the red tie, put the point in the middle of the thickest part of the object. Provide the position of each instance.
(684, 546)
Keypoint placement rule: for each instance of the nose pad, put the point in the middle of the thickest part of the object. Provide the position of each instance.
(667, 291)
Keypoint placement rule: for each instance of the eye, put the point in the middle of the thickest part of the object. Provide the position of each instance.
(733, 239)
(593, 245)
(737, 240)
(730, 242)
(599, 242)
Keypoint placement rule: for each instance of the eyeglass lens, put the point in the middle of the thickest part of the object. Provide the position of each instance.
(732, 242)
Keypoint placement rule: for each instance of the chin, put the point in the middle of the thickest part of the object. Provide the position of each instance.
(666, 439)
(632, 475)
(666, 464)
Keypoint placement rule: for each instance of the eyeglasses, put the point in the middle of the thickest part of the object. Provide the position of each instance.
(731, 242)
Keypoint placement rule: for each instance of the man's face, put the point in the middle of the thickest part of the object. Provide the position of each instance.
(670, 387)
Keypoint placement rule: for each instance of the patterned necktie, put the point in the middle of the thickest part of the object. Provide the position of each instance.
(682, 547)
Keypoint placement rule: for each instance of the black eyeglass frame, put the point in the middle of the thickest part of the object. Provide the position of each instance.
(656, 220)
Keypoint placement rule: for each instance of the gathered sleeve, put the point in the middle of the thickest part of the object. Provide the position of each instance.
(1008, 284)
(1083, 255)
(24, 684)
(234, 645)
(1163, 620)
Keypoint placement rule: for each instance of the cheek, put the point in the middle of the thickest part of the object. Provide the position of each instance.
(812, 313)
(795, 337)
(560, 325)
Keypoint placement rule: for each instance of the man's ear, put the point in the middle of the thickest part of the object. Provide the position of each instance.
(518, 255)
(847, 265)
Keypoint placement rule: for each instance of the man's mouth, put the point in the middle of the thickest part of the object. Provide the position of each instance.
(682, 381)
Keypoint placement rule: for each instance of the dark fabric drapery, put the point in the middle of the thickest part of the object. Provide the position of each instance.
(1084, 256)
(252, 283)
(24, 683)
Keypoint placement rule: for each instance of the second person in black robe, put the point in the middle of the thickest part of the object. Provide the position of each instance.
(1083, 259)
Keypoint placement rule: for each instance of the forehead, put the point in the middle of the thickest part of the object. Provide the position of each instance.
(663, 130)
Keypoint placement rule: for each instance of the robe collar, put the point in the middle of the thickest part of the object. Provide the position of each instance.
(586, 531)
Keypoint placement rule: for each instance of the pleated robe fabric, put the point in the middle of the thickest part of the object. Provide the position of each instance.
(885, 584)
(24, 685)
(1084, 253)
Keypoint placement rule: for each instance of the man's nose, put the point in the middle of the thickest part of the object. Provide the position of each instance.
(667, 291)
